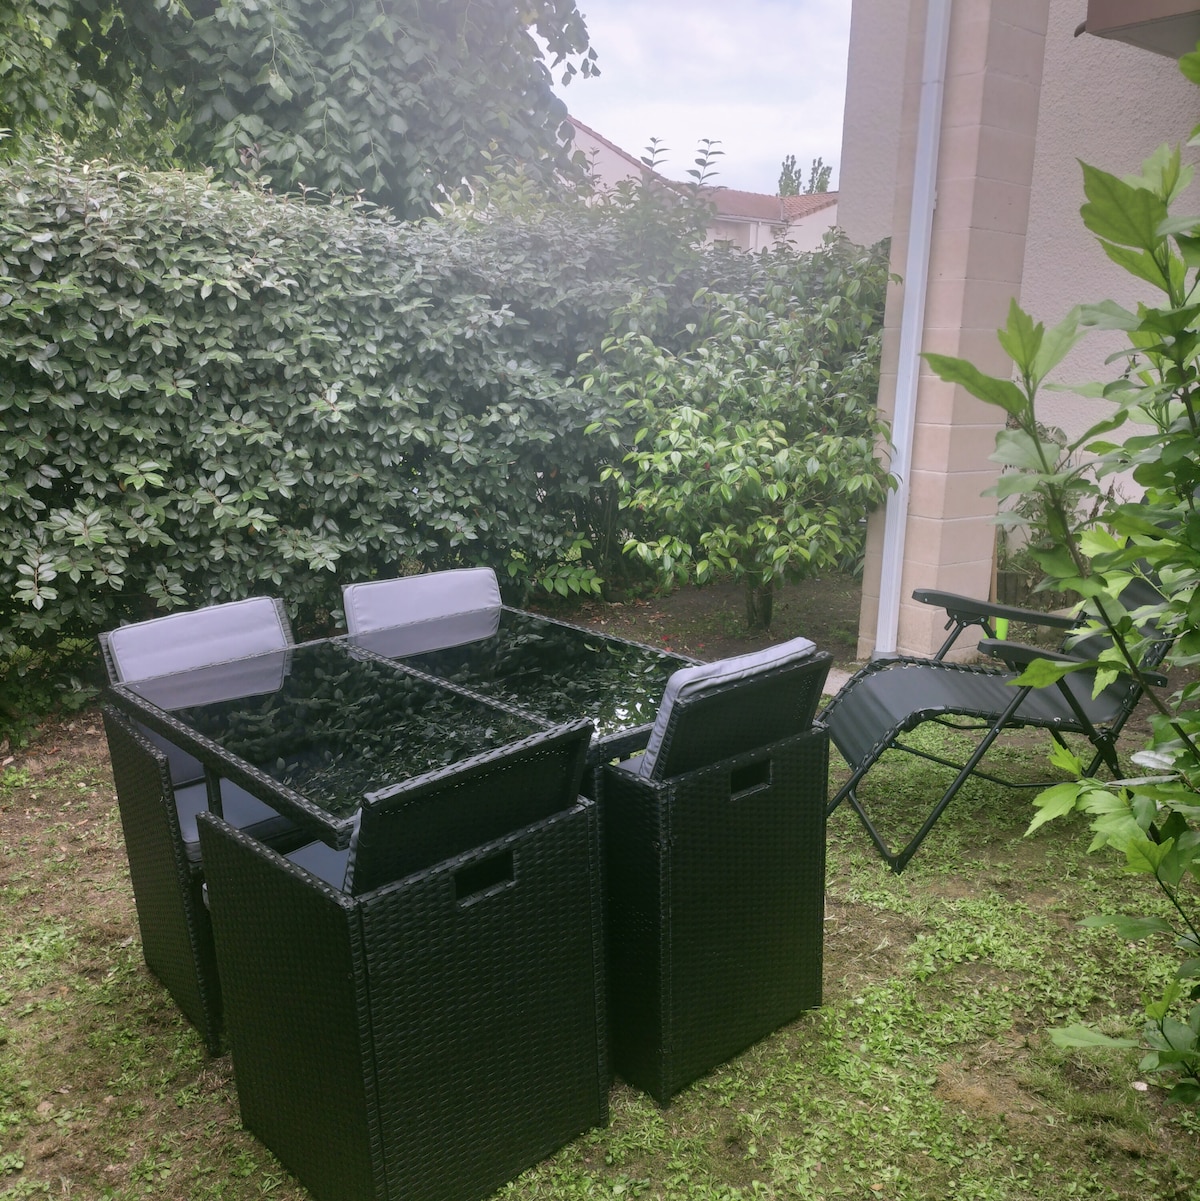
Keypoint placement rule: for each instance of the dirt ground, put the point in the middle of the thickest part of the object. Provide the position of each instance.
(710, 622)
(113, 1096)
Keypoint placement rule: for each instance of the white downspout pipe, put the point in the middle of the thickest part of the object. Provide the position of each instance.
(912, 317)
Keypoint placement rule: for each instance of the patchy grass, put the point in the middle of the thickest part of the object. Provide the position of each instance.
(927, 1073)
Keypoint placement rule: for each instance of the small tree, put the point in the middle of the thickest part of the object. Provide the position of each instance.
(752, 453)
(791, 177)
(1153, 821)
(818, 177)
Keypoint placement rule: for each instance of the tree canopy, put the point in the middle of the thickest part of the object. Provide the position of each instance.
(394, 98)
(791, 177)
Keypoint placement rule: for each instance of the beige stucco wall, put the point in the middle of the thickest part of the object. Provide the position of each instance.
(1110, 105)
(608, 168)
(1024, 99)
(807, 232)
(871, 121)
(985, 164)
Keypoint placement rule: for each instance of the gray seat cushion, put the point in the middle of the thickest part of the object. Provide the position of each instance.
(327, 863)
(242, 810)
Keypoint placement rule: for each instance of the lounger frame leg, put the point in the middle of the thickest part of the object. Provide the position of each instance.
(898, 860)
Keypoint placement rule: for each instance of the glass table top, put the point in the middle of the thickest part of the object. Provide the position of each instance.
(556, 671)
(329, 722)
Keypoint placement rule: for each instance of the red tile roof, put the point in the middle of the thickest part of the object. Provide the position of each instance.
(729, 202)
(757, 206)
(795, 207)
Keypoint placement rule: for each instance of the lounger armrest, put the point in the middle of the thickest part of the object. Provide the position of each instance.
(1018, 655)
(968, 609)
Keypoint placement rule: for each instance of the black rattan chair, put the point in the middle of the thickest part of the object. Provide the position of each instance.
(164, 867)
(715, 867)
(161, 788)
(430, 1036)
(890, 697)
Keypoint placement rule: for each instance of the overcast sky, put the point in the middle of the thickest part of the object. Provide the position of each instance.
(767, 78)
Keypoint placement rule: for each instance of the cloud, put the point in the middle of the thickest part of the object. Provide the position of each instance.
(766, 78)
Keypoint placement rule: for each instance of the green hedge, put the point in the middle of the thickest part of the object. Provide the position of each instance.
(210, 392)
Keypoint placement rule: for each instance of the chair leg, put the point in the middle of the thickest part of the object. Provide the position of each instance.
(898, 860)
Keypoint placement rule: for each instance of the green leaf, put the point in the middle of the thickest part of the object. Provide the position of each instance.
(1056, 801)
(1119, 212)
(1016, 448)
(987, 388)
(1021, 338)
(1179, 225)
(1056, 345)
(1042, 672)
(1189, 249)
(1109, 315)
(1143, 856)
(1085, 1036)
(1066, 760)
(1130, 928)
(1184, 1092)
(1139, 263)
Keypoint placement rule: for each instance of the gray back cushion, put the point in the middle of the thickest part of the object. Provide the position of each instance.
(418, 613)
(691, 684)
(198, 638)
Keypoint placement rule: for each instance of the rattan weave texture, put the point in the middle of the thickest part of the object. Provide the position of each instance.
(177, 939)
(428, 1040)
(715, 886)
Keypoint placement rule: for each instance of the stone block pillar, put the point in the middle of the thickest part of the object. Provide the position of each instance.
(985, 168)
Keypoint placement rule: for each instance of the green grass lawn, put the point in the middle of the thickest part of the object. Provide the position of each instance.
(927, 1073)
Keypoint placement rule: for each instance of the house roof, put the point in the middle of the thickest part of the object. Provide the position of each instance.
(730, 203)
(757, 206)
(629, 158)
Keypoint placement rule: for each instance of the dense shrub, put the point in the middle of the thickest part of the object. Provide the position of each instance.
(394, 100)
(752, 452)
(210, 392)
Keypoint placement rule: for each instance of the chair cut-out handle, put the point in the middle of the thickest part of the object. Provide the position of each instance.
(483, 877)
(751, 778)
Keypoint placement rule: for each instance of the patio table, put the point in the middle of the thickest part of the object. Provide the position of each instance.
(317, 727)
(554, 670)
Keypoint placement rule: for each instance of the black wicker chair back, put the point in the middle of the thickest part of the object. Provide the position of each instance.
(715, 867)
(715, 889)
(740, 716)
(177, 939)
(429, 1039)
(417, 824)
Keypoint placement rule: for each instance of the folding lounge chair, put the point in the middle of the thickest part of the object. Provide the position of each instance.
(715, 859)
(422, 1017)
(161, 789)
(890, 697)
